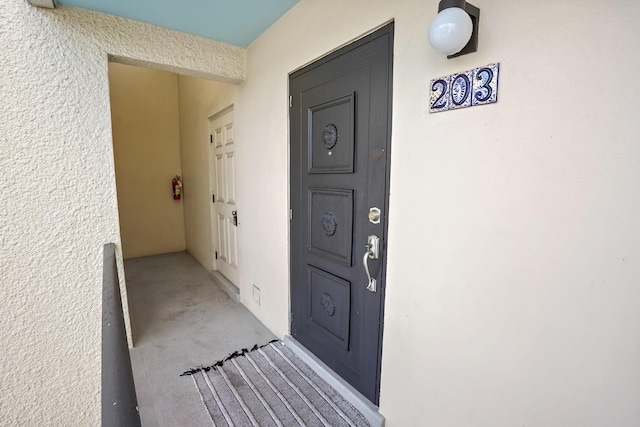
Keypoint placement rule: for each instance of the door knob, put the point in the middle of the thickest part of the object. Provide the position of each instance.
(372, 252)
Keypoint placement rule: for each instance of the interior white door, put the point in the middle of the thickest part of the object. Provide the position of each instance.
(222, 183)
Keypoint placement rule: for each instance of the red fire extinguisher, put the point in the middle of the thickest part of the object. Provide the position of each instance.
(176, 185)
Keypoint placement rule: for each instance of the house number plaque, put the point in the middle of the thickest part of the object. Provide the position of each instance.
(466, 89)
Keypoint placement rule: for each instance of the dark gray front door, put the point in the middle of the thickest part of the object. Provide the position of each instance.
(340, 134)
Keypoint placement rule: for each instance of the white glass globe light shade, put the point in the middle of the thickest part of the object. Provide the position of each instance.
(450, 30)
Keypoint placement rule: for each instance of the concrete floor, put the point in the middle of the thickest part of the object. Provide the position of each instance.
(180, 320)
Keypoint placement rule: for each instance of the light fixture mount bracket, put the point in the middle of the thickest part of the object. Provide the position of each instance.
(446, 4)
(474, 13)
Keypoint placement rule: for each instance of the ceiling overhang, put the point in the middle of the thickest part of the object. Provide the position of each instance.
(235, 22)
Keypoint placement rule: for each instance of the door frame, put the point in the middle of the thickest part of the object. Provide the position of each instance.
(387, 27)
(212, 212)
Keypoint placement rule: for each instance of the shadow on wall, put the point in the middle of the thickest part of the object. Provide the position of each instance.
(146, 146)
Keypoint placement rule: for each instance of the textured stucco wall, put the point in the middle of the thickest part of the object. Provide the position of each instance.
(513, 267)
(59, 195)
(146, 146)
(148, 46)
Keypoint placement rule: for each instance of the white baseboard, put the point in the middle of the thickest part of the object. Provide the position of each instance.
(224, 284)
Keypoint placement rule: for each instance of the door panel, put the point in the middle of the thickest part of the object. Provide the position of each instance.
(230, 178)
(330, 305)
(331, 223)
(220, 181)
(340, 128)
(331, 139)
(224, 227)
(222, 238)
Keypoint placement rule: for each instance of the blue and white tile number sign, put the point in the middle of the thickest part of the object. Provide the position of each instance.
(469, 88)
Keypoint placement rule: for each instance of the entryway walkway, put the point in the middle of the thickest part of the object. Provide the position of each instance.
(180, 320)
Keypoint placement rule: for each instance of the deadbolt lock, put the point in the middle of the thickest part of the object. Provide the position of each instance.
(374, 215)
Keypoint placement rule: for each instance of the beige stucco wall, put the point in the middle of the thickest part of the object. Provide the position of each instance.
(59, 195)
(513, 239)
(199, 100)
(146, 147)
(514, 245)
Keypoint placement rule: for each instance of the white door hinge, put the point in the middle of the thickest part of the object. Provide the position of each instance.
(290, 214)
(290, 101)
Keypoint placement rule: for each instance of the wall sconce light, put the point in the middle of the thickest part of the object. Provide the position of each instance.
(454, 30)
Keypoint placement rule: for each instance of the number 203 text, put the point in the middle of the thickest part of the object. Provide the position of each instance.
(469, 88)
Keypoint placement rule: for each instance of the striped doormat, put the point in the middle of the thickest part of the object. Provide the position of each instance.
(271, 386)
